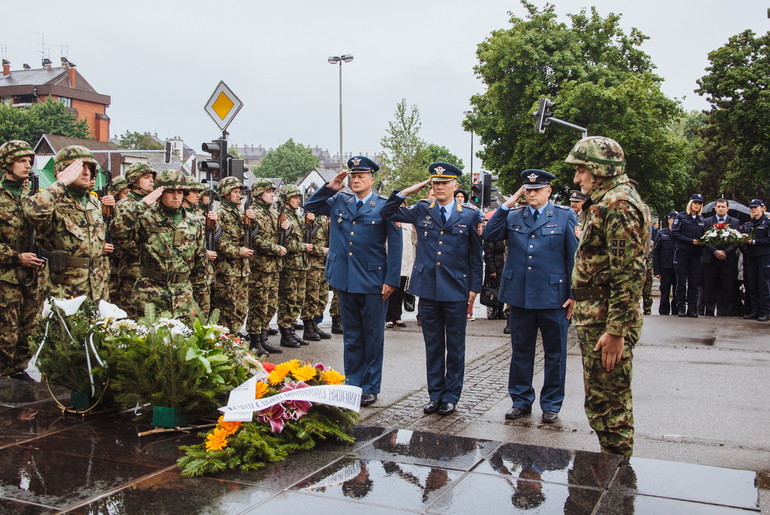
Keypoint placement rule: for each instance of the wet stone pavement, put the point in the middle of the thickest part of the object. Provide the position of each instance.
(52, 463)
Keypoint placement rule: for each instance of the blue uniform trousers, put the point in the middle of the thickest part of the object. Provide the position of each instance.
(688, 275)
(363, 321)
(443, 329)
(553, 325)
(756, 274)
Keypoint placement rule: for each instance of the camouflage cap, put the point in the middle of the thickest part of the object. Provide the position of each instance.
(227, 185)
(261, 185)
(289, 192)
(171, 179)
(603, 156)
(118, 185)
(12, 151)
(136, 170)
(70, 154)
(194, 184)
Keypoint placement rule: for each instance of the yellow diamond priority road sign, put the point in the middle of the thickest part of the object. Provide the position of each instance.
(223, 105)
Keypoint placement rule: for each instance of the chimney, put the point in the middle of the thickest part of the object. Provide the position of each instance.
(26, 66)
(71, 75)
(46, 63)
(6, 67)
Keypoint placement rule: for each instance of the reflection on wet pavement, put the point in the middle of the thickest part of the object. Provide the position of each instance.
(51, 462)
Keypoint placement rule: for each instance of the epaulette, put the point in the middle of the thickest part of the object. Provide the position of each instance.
(516, 208)
(344, 193)
(566, 208)
(383, 197)
(472, 206)
(424, 200)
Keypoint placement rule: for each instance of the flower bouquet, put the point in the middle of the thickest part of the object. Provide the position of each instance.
(186, 370)
(721, 235)
(286, 421)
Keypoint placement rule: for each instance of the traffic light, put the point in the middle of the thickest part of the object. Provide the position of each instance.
(543, 114)
(487, 189)
(476, 193)
(237, 167)
(217, 165)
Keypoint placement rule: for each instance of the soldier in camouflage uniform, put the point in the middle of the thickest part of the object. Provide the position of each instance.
(607, 285)
(291, 289)
(265, 267)
(118, 189)
(171, 249)
(69, 225)
(19, 278)
(230, 290)
(192, 203)
(316, 288)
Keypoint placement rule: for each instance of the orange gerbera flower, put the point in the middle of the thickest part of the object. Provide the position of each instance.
(229, 427)
(260, 390)
(331, 376)
(216, 440)
(305, 373)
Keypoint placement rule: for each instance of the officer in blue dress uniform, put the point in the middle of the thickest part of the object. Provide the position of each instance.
(361, 269)
(663, 267)
(447, 276)
(542, 240)
(687, 230)
(756, 265)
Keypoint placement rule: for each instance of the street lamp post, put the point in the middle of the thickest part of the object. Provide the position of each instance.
(467, 113)
(344, 58)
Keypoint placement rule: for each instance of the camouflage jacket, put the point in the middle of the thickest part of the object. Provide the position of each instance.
(296, 256)
(320, 240)
(64, 224)
(14, 228)
(266, 256)
(611, 254)
(123, 224)
(167, 248)
(228, 246)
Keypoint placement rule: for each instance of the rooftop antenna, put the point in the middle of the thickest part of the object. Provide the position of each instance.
(64, 50)
(4, 50)
(42, 45)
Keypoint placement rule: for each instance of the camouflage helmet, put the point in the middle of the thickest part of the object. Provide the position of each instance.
(70, 154)
(171, 179)
(227, 185)
(603, 156)
(289, 192)
(118, 185)
(136, 170)
(261, 185)
(194, 184)
(12, 151)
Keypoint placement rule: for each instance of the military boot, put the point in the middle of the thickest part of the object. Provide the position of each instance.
(309, 333)
(297, 338)
(320, 332)
(272, 349)
(271, 331)
(255, 341)
(337, 324)
(286, 338)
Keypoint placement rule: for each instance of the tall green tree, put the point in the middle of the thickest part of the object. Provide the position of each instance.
(288, 161)
(598, 77)
(138, 141)
(402, 162)
(736, 156)
(47, 117)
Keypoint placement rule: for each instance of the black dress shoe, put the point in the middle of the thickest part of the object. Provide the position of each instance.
(763, 318)
(692, 314)
(549, 417)
(515, 413)
(750, 316)
(446, 408)
(431, 407)
(507, 329)
(367, 399)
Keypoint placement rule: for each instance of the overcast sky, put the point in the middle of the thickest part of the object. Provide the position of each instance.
(161, 60)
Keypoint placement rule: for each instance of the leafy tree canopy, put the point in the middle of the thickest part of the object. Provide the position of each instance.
(138, 141)
(599, 79)
(47, 117)
(289, 161)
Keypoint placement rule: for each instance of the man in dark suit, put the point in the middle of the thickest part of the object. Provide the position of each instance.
(720, 266)
(447, 276)
(663, 267)
(361, 269)
(536, 283)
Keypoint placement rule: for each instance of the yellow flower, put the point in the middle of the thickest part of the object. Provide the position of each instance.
(282, 370)
(228, 427)
(331, 376)
(261, 390)
(216, 440)
(305, 373)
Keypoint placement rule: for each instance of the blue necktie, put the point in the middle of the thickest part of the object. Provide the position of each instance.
(721, 220)
(359, 204)
(537, 214)
(443, 214)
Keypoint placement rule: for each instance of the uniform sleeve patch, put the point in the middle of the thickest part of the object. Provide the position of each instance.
(618, 247)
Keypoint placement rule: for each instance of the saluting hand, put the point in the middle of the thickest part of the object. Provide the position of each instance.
(70, 174)
(152, 198)
(513, 199)
(414, 188)
(337, 183)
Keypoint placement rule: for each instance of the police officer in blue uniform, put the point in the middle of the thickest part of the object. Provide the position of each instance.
(542, 240)
(687, 230)
(447, 276)
(756, 265)
(663, 267)
(361, 269)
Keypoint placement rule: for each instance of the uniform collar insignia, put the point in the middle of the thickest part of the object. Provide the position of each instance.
(549, 213)
(372, 203)
(532, 177)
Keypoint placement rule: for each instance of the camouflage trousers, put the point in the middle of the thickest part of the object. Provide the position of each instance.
(19, 312)
(291, 296)
(334, 306)
(608, 399)
(230, 295)
(173, 299)
(263, 300)
(316, 294)
(647, 286)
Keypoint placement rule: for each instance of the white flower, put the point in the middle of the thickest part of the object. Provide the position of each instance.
(110, 311)
(125, 324)
(69, 306)
(218, 329)
(175, 326)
